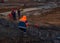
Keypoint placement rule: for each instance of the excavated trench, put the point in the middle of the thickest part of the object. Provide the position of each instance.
(9, 33)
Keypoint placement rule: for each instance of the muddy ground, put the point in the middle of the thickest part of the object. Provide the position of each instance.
(52, 17)
(9, 32)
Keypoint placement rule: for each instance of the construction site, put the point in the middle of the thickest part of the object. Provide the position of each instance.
(43, 17)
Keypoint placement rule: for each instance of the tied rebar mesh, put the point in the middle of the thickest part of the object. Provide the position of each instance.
(10, 33)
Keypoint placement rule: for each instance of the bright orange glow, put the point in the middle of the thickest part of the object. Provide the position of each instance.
(24, 19)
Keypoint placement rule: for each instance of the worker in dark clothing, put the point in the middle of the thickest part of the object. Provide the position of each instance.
(23, 23)
(13, 14)
(18, 12)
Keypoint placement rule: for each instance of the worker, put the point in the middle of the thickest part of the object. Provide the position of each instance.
(23, 23)
(13, 12)
(18, 12)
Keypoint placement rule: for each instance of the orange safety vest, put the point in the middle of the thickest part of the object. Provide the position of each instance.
(23, 19)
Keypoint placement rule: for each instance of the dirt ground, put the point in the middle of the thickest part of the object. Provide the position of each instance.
(52, 17)
(7, 8)
(14, 34)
